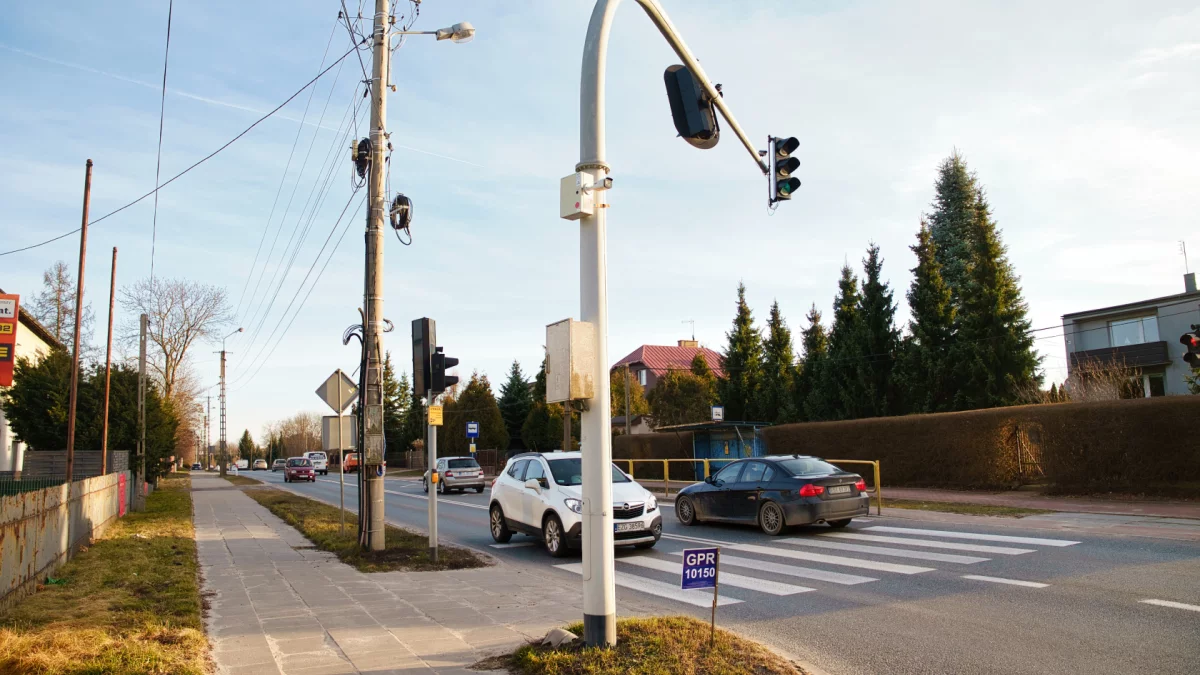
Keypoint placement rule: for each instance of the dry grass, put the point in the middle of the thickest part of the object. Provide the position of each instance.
(963, 508)
(406, 551)
(242, 480)
(652, 646)
(130, 603)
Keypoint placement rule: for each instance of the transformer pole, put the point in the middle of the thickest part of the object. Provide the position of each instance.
(112, 298)
(139, 485)
(74, 396)
(223, 456)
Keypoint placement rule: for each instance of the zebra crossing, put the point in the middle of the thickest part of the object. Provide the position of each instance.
(870, 553)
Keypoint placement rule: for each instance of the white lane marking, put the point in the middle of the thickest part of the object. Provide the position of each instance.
(516, 544)
(482, 507)
(791, 570)
(726, 578)
(663, 590)
(1010, 582)
(886, 551)
(1172, 604)
(927, 543)
(698, 540)
(833, 559)
(1033, 541)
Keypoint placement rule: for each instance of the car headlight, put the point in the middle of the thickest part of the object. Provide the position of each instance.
(575, 505)
(652, 504)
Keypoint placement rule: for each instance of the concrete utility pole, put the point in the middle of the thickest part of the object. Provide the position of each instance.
(87, 198)
(372, 459)
(599, 592)
(112, 299)
(223, 456)
(208, 432)
(139, 485)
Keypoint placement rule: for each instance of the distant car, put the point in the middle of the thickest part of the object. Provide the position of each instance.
(243, 464)
(456, 473)
(299, 468)
(775, 492)
(319, 461)
(278, 464)
(260, 465)
(196, 467)
(351, 462)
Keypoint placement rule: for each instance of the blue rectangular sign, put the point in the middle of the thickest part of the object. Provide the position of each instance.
(472, 429)
(700, 568)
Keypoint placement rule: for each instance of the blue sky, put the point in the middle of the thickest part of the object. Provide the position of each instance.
(1078, 117)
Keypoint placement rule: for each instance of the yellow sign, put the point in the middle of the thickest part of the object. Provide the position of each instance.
(6, 329)
(435, 415)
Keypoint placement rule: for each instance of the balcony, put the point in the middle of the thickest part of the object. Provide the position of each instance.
(1129, 356)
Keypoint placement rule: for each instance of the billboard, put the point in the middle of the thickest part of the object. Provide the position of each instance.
(10, 306)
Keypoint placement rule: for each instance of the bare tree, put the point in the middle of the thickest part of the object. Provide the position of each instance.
(54, 307)
(1093, 380)
(181, 313)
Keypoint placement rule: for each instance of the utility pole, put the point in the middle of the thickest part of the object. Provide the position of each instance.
(223, 456)
(208, 432)
(431, 449)
(139, 485)
(373, 445)
(112, 298)
(87, 198)
(566, 442)
(628, 426)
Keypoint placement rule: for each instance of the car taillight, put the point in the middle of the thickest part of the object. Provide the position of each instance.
(811, 490)
(861, 485)
(449, 474)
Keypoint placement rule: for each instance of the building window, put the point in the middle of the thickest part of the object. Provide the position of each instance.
(642, 377)
(1133, 331)
(1156, 385)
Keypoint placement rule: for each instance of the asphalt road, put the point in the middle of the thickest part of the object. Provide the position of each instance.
(895, 594)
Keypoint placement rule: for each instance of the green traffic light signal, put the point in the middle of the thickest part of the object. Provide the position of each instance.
(782, 166)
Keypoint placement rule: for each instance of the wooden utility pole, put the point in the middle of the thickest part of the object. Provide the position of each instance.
(139, 485)
(87, 198)
(112, 297)
(628, 427)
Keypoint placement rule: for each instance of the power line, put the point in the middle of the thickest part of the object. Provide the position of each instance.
(162, 113)
(179, 175)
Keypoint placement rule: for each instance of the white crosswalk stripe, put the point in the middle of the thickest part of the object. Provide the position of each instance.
(886, 551)
(1009, 582)
(928, 543)
(1032, 541)
(662, 590)
(515, 544)
(725, 578)
(792, 570)
(832, 559)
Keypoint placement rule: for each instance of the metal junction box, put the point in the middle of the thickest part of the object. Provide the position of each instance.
(573, 202)
(570, 361)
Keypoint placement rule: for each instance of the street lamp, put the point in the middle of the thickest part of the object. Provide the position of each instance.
(459, 33)
(229, 336)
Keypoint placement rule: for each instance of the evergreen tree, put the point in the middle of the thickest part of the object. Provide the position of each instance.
(993, 351)
(871, 392)
(412, 418)
(925, 371)
(543, 427)
(743, 357)
(777, 396)
(246, 447)
(638, 405)
(396, 403)
(515, 401)
(474, 403)
(951, 222)
(683, 397)
(816, 345)
(827, 401)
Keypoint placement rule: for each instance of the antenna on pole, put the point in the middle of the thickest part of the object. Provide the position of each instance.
(693, 323)
(1183, 250)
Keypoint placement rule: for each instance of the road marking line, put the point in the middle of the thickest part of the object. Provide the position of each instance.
(697, 540)
(833, 559)
(517, 544)
(726, 579)
(927, 543)
(886, 551)
(422, 497)
(791, 570)
(1011, 582)
(663, 590)
(972, 535)
(1170, 603)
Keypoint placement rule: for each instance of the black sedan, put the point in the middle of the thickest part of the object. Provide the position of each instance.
(775, 492)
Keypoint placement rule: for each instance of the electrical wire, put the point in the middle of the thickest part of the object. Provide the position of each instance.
(162, 112)
(204, 159)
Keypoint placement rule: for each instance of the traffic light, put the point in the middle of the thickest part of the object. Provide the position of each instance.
(1192, 342)
(424, 335)
(783, 165)
(439, 363)
(691, 108)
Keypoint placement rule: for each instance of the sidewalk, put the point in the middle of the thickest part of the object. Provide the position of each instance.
(279, 606)
(1035, 500)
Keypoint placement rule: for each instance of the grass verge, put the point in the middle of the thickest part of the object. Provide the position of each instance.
(242, 480)
(406, 551)
(130, 603)
(963, 508)
(651, 646)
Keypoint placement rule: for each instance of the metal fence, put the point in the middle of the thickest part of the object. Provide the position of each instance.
(9, 485)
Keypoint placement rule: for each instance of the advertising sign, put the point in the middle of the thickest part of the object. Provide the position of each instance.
(9, 307)
(700, 568)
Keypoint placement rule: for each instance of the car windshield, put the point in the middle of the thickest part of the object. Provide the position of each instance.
(299, 462)
(316, 455)
(569, 472)
(807, 466)
(462, 464)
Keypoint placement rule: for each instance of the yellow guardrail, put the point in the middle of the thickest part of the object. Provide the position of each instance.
(876, 489)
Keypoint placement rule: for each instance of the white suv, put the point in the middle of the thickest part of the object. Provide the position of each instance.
(320, 462)
(541, 495)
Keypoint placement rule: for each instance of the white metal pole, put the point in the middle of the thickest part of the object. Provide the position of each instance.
(432, 434)
(341, 463)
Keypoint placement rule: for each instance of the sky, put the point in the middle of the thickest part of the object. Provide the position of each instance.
(1078, 117)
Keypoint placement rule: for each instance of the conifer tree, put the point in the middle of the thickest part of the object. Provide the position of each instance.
(777, 394)
(951, 222)
(515, 401)
(828, 397)
(925, 371)
(738, 390)
(815, 343)
(871, 392)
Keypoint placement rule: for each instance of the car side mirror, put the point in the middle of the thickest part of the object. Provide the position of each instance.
(533, 484)
(710, 480)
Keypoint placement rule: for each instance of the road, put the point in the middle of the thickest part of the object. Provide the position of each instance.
(895, 594)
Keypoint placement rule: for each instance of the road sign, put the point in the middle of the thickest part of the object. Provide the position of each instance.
(472, 448)
(330, 438)
(718, 413)
(700, 568)
(472, 429)
(338, 391)
(435, 415)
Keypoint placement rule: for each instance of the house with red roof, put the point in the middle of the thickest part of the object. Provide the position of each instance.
(649, 363)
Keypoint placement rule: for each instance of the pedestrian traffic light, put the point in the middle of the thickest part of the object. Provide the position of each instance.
(691, 108)
(439, 363)
(424, 335)
(1192, 342)
(783, 165)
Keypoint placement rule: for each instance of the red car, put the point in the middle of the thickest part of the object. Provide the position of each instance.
(299, 468)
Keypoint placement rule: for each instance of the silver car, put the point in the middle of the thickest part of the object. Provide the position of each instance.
(456, 473)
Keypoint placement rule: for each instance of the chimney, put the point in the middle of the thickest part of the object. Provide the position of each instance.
(695, 343)
(1189, 282)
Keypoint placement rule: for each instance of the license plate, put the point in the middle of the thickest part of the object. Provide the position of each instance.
(839, 490)
(626, 527)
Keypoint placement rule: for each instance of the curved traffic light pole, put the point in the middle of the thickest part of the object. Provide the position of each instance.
(599, 592)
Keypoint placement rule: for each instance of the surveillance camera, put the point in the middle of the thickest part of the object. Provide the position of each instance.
(607, 182)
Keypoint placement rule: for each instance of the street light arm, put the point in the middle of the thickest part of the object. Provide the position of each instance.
(595, 53)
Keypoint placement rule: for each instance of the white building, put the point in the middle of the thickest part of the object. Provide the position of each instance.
(33, 342)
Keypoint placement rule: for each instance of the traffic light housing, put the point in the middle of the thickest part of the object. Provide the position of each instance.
(1192, 342)
(439, 363)
(691, 108)
(783, 165)
(424, 336)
